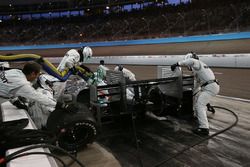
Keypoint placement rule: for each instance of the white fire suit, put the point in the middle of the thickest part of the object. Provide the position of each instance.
(39, 113)
(131, 77)
(127, 73)
(70, 59)
(101, 71)
(4, 64)
(205, 88)
(13, 83)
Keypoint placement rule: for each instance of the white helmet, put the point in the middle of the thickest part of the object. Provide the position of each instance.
(191, 55)
(87, 53)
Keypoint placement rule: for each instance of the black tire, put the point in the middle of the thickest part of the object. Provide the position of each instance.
(74, 130)
(156, 97)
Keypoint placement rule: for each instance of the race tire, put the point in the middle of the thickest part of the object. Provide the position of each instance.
(74, 130)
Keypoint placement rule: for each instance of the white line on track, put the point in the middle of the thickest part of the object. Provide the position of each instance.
(234, 98)
(218, 73)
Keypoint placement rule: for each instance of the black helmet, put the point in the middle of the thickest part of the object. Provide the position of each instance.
(120, 67)
(102, 62)
(195, 55)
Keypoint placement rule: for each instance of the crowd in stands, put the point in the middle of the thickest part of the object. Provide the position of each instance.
(151, 22)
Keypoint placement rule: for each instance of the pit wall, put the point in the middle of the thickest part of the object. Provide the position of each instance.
(215, 60)
(217, 50)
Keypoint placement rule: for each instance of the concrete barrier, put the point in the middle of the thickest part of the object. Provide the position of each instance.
(212, 60)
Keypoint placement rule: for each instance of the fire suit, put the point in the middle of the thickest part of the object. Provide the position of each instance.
(101, 71)
(39, 113)
(70, 59)
(205, 87)
(4, 64)
(13, 83)
(127, 73)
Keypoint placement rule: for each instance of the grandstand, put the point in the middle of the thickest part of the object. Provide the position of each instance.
(73, 21)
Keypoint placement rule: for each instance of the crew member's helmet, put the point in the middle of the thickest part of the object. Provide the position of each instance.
(191, 55)
(120, 67)
(86, 52)
(101, 62)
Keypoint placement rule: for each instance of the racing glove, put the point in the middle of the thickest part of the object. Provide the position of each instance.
(86, 68)
(40, 60)
(173, 67)
(73, 70)
(71, 108)
(19, 103)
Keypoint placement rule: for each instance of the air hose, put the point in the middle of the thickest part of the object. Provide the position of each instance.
(35, 153)
(20, 153)
(82, 71)
(204, 139)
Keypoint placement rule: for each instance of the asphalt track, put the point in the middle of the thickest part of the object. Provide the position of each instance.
(234, 82)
